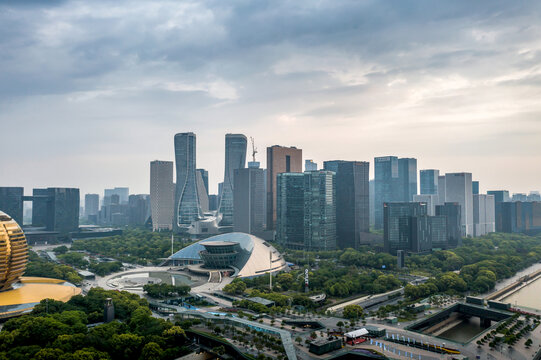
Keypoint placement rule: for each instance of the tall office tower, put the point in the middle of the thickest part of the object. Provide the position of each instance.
(92, 204)
(57, 209)
(213, 202)
(385, 185)
(452, 212)
(139, 209)
(404, 228)
(187, 208)
(290, 210)
(319, 211)
(235, 158)
(458, 188)
(352, 201)
(280, 159)
(205, 177)
(371, 200)
(202, 192)
(407, 178)
(249, 196)
(11, 202)
(431, 201)
(441, 190)
(519, 197)
(475, 187)
(161, 194)
(500, 196)
(483, 214)
(122, 192)
(519, 216)
(429, 181)
(310, 165)
(400, 259)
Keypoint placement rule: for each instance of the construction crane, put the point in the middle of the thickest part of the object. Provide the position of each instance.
(254, 149)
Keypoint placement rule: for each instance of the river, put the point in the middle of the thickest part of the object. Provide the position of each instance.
(528, 296)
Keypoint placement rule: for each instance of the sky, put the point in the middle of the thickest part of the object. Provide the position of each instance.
(92, 91)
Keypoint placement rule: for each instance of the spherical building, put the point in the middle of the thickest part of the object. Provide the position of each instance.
(13, 251)
(243, 254)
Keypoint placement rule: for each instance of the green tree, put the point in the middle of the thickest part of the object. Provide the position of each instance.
(151, 351)
(353, 312)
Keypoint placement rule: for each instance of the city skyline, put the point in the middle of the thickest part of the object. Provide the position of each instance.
(357, 79)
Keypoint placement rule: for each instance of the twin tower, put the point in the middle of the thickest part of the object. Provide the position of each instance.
(187, 201)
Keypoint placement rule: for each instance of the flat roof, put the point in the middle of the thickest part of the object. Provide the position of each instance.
(261, 300)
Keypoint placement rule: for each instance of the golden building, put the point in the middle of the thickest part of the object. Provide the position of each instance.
(13, 251)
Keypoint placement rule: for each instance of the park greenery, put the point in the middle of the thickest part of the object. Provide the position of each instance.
(57, 330)
(162, 290)
(40, 267)
(135, 246)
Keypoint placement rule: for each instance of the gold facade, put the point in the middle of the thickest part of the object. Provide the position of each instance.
(13, 251)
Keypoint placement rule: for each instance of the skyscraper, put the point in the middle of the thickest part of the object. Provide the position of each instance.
(122, 192)
(187, 208)
(451, 211)
(290, 210)
(441, 190)
(11, 202)
(429, 181)
(352, 201)
(161, 194)
(56, 209)
(430, 200)
(319, 211)
(310, 165)
(385, 185)
(475, 187)
(138, 209)
(407, 179)
(235, 158)
(92, 206)
(458, 188)
(483, 214)
(500, 196)
(404, 229)
(249, 200)
(205, 177)
(279, 160)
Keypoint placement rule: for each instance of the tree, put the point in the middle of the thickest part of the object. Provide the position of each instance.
(151, 351)
(298, 339)
(353, 312)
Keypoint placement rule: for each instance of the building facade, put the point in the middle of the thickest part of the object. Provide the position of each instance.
(458, 188)
(235, 158)
(405, 227)
(92, 205)
(310, 165)
(452, 212)
(429, 181)
(352, 201)
(187, 208)
(161, 194)
(290, 210)
(407, 179)
(56, 209)
(430, 199)
(11, 202)
(249, 198)
(385, 185)
(280, 159)
(319, 211)
(484, 221)
(500, 196)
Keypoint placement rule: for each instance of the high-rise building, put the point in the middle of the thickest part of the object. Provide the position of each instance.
(500, 196)
(385, 185)
(458, 188)
(11, 202)
(483, 214)
(187, 208)
(290, 210)
(407, 179)
(205, 177)
(202, 192)
(310, 165)
(249, 198)
(92, 204)
(431, 201)
(441, 190)
(371, 201)
(235, 158)
(534, 196)
(319, 211)
(352, 201)
(519, 197)
(161, 194)
(429, 181)
(280, 159)
(122, 192)
(400, 259)
(475, 187)
(452, 212)
(405, 227)
(139, 209)
(519, 216)
(56, 209)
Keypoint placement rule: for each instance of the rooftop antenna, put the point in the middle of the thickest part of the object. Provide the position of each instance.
(254, 149)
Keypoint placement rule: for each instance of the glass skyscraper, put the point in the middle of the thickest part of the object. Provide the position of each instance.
(11, 202)
(385, 185)
(290, 210)
(187, 208)
(401, 227)
(407, 179)
(352, 201)
(429, 181)
(235, 158)
(319, 211)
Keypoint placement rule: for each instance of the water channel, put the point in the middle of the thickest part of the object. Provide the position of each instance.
(528, 296)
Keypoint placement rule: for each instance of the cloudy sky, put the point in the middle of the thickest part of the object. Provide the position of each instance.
(92, 91)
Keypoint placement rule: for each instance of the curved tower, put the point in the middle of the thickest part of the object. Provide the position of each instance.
(13, 251)
(235, 158)
(187, 207)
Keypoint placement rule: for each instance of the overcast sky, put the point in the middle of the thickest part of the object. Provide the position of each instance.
(92, 91)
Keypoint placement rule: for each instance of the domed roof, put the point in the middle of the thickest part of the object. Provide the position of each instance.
(13, 251)
(257, 256)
